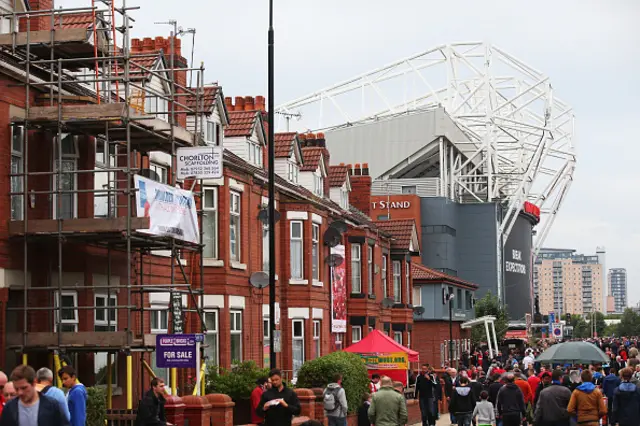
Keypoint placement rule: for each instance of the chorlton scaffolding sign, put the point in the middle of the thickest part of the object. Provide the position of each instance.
(201, 162)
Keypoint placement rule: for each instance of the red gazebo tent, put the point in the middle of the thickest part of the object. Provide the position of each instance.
(378, 346)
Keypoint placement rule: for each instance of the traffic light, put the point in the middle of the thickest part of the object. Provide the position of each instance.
(568, 318)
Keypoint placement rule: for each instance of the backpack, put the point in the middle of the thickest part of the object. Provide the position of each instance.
(331, 401)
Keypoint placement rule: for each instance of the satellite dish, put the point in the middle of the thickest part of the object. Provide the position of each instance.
(418, 310)
(334, 260)
(340, 225)
(263, 216)
(259, 279)
(332, 237)
(388, 302)
(150, 174)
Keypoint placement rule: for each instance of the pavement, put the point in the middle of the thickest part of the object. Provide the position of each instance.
(443, 421)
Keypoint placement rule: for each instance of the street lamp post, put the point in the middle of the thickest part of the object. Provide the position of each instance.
(272, 197)
(451, 296)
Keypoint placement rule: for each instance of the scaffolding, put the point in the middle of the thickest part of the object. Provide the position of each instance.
(92, 86)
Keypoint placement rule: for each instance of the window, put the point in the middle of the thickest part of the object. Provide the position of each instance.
(318, 185)
(439, 229)
(397, 281)
(315, 251)
(100, 369)
(356, 333)
(212, 133)
(370, 268)
(159, 321)
(266, 342)
(234, 226)
(292, 172)
(68, 206)
(385, 290)
(211, 338)
(407, 282)
(459, 297)
(210, 223)
(344, 198)
(417, 296)
(155, 105)
(104, 203)
(161, 171)
(236, 336)
(469, 303)
(409, 189)
(295, 246)
(317, 332)
(356, 269)
(105, 318)
(5, 24)
(397, 336)
(408, 339)
(255, 153)
(297, 350)
(66, 311)
(17, 137)
(265, 247)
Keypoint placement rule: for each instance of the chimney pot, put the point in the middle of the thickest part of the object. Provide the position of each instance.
(260, 103)
(249, 104)
(239, 103)
(365, 169)
(136, 43)
(228, 102)
(311, 136)
(350, 169)
(356, 170)
(147, 44)
(342, 164)
(320, 135)
(302, 137)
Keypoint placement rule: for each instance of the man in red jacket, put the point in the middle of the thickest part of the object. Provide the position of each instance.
(262, 384)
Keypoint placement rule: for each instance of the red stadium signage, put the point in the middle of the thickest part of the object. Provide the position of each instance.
(532, 209)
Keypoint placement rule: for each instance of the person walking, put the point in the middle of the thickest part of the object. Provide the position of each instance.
(484, 413)
(30, 408)
(510, 406)
(151, 408)
(363, 411)
(552, 404)
(44, 377)
(279, 404)
(587, 402)
(374, 385)
(388, 407)
(626, 402)
(609, 385)
(335, 402)
(261, 385)
(463, 403)
(76, 397)
(9, 392)
(428, 392)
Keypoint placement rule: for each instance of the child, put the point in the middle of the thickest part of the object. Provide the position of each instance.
(486, 416)
(363, 416)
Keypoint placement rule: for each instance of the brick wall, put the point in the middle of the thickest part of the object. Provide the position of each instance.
(428, 335)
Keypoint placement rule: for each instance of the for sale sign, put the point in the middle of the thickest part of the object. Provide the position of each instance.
(176, 350)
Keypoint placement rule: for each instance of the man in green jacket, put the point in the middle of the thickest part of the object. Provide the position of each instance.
(388, 407)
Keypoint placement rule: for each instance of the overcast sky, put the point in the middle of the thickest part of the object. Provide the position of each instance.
(589, 48)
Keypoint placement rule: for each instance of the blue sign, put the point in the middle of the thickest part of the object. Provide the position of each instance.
(176, 350)
(552, 319)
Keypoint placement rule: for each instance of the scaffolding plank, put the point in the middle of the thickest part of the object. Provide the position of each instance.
(63, 35)
(101, 112)
(91, 225)
(89, 339)
(70, 43)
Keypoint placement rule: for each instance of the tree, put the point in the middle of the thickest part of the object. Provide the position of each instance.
(490, 305)
(629, 323)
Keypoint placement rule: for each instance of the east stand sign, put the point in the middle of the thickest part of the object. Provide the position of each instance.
(177, 350)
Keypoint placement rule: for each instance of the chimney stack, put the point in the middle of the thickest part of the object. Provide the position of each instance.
(360, 196)
(249, 104)
(239, 103)
(228, 102)
(260, 105)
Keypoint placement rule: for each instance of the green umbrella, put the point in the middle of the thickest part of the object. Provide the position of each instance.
(574, 353)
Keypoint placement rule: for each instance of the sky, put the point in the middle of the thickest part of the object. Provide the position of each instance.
(590, 49)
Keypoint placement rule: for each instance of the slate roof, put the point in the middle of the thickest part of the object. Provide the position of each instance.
(401, 230)
(284, 144)
(207, 99)
(311, 158)
(337, 175)
(423, 273)
(241, 123)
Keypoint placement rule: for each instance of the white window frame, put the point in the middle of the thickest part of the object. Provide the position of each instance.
(65, 158)
(315, 251)
(317, 334)
(265, 248)
(157, 311)
(356, 268)
(408, 345)
(161, 170)
(318, 185)
(385, 289)
(407, 284)
(417, 295)
(215, 332)
(356, 333)
(344, 198)
(235, 330)
(295, 337)
(211, 210)
(301, 249)
(397, 281)
(17, 202)
(211, 136)
(57, 300)
(235, 200)
(292, 172)
(370, 269)
(106, 311)
(108, 161)
(397, 336)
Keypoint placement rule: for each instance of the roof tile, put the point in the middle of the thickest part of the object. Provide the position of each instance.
(337, 175)
(76, 20)
(207, 99)
(241, 123)
(423, 273)
(311, 158)
(401, 230)
(284, 144)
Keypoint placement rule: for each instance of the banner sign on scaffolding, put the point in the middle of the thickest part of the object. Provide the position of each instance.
(389, 361)
(172, 211)
(177, 350)
(200, 162)
(339, 294)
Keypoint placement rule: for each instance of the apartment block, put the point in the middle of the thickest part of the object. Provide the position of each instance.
(617, 279)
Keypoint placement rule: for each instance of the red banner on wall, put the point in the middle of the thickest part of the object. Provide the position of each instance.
(339, 294)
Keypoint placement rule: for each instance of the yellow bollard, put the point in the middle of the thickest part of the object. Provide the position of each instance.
(25, 359)
(109, 389)
(174, 382)
(56, 360)
(129, 382)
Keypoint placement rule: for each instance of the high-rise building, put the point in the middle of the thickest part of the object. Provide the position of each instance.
(567, 282)
(618, 288)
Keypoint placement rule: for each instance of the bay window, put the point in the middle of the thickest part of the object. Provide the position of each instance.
(385, 289)
(66, 311)
(397, 281)
(297, 342)
(296, 248)
(265, 248)
(407, 283)
(356, 269)
(356, 333)
(104, 204)
(316, 337)
(17, 150)
(236, 336)
(210, 223)
(397, 336)
(370, 268)
(315, 251)
(67, 206)
(234, 226)
(105, 316)
(161, 171)
(211, 338)
(159, 318)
